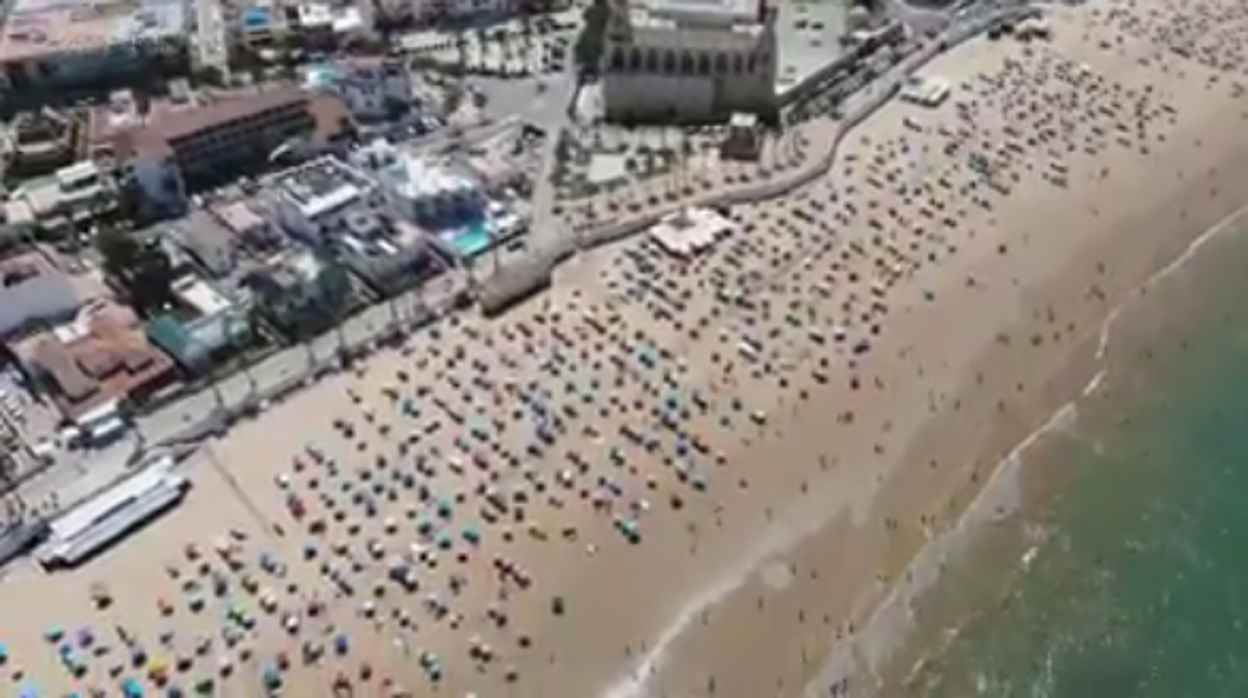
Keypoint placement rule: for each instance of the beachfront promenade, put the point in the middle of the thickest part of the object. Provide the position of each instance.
(212, 408)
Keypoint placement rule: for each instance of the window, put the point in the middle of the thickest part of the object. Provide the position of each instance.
(721, 64)
(704, 64)
(686, 63)
(669, 61)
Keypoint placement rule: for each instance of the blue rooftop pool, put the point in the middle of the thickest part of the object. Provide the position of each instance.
(470, 240)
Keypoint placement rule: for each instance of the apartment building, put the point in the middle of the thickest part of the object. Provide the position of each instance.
(193, 148)
(372, 88)
(75, 43)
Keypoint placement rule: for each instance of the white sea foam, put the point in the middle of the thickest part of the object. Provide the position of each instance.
(1227, 223)
(890, 620)
(634, 685)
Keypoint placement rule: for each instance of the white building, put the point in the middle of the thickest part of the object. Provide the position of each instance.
(316, 198)
(691, 231)
(925, 92)
(689, 60)
(423, 190)
(55, 43)
(74, 195)
(371, 88)
(262, 25)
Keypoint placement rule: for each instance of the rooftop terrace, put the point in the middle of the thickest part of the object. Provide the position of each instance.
(323, 185)
(38, 28)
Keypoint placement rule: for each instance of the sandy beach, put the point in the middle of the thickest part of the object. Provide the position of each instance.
(683, 478)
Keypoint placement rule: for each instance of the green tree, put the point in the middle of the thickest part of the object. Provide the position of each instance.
(141, 268)
(592, 41)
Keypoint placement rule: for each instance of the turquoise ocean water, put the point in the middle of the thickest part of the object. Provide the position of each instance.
(1126, 572)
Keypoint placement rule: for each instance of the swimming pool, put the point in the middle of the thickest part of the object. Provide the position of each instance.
(469, 241)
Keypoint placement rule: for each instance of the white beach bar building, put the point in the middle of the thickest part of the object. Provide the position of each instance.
(316, 198)
(420, 189)
(691, 231)
(689, 60)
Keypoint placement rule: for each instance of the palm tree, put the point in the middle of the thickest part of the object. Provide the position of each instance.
(232, 325)
(392, 303)
(215, 383)
(526, 27)
(503, 38)
(461, 48)
(483, 37)
(686, 153)
(311, 351)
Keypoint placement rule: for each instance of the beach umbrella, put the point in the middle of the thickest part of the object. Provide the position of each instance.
(131, 688)
(27, 690)
(341, 644)
(4, 653)
(272, 679)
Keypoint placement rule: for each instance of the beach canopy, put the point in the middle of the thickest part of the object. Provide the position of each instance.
(272, 678)
(27, 691)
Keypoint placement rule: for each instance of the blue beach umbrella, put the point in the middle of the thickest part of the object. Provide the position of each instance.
(272, 679)
(698, 480)
(27, 690)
